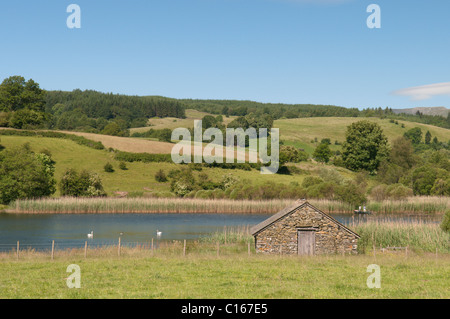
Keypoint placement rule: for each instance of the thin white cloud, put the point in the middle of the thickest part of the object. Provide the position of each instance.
(425, 92)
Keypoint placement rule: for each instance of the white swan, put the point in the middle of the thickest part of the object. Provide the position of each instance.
(91, 235)
(158, 233)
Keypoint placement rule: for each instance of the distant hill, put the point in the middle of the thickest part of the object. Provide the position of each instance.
(437, 110)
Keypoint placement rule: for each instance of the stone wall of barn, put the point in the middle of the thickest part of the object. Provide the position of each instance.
(330, 237)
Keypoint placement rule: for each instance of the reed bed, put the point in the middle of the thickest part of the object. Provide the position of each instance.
(147, 205)
(418, 235)
(230, 235)
(66, 205)
(414, 205)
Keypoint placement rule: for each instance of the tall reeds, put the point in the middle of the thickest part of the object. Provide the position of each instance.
(412, 205)
(147, 205)
(401, 233)
(230, 235)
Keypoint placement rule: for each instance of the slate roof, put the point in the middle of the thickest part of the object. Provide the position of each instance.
(257, 228)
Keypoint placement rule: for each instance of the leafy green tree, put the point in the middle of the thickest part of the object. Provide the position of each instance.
(291, 154)
(208, 121)
(108, 168)
(311, 181)
(228, 181)
(445, 225)
(160, 176)
(83, 184)
(322, 153)
(24, 174)
(183, 182)
(401, 160)
(435, 143)
(4, 119)
(423, 179)
(428, 138)
(165, 135)
(25, 118)
(350, 193)
(254, 120)
(414, 134)
(402, 153)
(23, 101)
(441, 187)
(114, 129)
(123, 166)
(17, 94)
(365, 147)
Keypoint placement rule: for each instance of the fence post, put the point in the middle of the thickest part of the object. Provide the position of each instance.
(218, 249)
(85, 249)
(18, 250)
(225, 234)
(373, 243)
(152, 247)
(53, 249)
(118, 249)
(184, 248)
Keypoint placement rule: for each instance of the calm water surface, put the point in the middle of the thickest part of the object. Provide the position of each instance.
(70, 230)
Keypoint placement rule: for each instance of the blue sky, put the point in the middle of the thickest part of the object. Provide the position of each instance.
(289, 51)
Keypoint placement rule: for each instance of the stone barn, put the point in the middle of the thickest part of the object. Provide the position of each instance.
(304, 230)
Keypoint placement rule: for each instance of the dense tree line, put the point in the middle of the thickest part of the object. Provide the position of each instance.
(94, 110)
(23, 104)
(275, 110)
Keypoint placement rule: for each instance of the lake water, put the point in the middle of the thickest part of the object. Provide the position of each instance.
(70, 230)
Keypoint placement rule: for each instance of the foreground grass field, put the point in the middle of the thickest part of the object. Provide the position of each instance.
(236, 275)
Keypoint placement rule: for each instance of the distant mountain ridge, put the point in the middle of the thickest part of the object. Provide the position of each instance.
(435, 110)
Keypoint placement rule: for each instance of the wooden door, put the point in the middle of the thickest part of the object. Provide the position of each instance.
(306, 242)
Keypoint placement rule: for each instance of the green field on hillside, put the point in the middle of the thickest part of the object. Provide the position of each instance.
(173, 123)
(139, 177)
(304, 130)
(301, 132)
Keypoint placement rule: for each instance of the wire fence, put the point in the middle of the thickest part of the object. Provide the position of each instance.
(92, 249)
(67, 246)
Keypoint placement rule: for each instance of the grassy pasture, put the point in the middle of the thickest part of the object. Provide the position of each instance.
(233, 274)
(300, 132)
(139, 177)
(173, 123)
